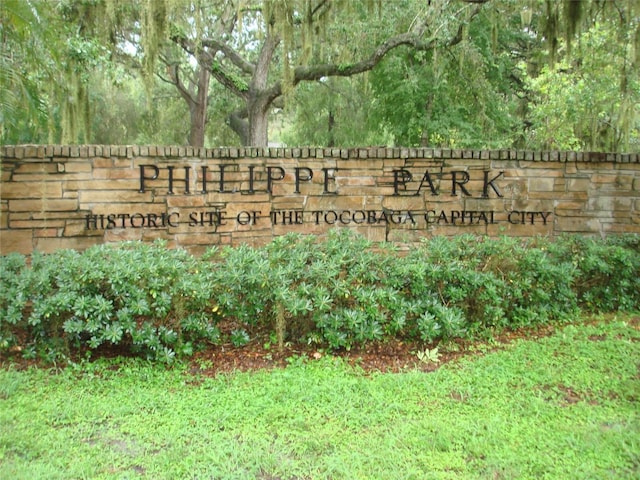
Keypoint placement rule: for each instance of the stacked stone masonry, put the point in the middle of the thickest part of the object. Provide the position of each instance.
(55, 196)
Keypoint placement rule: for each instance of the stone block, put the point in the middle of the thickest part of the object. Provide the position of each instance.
(43, 205)
(583, 225)
(81, 166)
(413, 203)
(610, 203)
(569, 205)
(186, 201)
(102, 162)
(34, 223)
(25, 190)
(578, 184)
(19, 241)
(123, 235)
(47, 232)
(35, 167)
(114, 196)
(286, 203)
(50, 245)
(78, 228)
(7, 152)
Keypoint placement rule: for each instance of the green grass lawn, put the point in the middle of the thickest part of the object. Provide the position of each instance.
(566, 406)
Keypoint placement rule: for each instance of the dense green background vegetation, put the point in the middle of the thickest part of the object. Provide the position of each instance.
(335, 293)
(528, 74)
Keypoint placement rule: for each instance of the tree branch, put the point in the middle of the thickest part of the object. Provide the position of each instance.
(261, 72)
(222, 76)
(321, 4)
(316, 72)
(207, 60)
(233, 56)
(174, 79)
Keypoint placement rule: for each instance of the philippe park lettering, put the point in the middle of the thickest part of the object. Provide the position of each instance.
(217, 180)
(459, 180)
(206, 179)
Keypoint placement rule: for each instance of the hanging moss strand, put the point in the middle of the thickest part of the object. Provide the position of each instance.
(572, 15)
(551, 29)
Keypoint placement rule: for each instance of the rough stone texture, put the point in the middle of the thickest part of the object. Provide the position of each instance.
(59, 196)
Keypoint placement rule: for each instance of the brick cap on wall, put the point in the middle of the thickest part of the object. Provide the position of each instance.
(362, 153)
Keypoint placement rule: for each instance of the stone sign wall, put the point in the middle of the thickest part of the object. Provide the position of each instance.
(54, 197)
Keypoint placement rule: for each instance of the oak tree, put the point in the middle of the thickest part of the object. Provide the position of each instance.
(260, 51)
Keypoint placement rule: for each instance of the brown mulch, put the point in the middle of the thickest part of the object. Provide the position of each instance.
(384, 356)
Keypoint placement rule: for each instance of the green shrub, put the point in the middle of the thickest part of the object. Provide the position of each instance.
(496, 283)
(143, 298)
(608, 271)
(337, 292)
(330, 291)
(14, 292)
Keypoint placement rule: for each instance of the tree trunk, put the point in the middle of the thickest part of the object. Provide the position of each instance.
(198, 109)
(258, 98)
(196, 95)
(198, 125)
(238, 123)
(332, 122)
(252, 124)
(258, 125)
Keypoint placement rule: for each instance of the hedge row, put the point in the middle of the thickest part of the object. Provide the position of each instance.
(336, 292)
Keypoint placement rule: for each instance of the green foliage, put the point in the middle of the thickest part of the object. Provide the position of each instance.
(532, 76)
(581, 108)
(336, 292)
(563, 406)
(239, 338)
(497, 283)
(144, 299)
(22, 109)
(540, 75)
(333, 112)
(584, 101)
(456, 98)
(607, 271)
